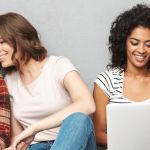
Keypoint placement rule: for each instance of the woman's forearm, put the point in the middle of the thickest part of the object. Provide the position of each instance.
(56, 119)
(101, 138)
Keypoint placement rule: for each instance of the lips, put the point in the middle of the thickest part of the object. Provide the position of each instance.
(140, 57)
(3, 55)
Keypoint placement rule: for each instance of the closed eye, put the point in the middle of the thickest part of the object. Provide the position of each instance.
(1, 42)
(134, 43)
(147, 44)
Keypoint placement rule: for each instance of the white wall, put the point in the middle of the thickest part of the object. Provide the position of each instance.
(77, 29)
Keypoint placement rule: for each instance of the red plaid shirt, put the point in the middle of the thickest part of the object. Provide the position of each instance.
(4, 113)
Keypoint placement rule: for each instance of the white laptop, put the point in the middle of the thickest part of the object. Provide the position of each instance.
(128, 126)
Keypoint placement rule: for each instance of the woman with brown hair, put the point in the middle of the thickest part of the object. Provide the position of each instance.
(50, 102)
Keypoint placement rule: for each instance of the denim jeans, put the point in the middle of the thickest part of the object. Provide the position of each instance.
(76, 133)
(45, 145)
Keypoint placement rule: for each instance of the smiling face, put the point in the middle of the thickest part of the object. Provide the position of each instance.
(6, 52)
(138, 48)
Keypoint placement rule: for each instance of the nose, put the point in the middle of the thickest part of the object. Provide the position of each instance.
(141, 48)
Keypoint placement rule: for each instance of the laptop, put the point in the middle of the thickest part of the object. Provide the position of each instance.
(128, 126)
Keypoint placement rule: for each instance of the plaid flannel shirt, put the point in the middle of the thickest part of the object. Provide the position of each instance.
(4, 113)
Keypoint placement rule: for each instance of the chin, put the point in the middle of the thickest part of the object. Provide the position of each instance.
(141, 66)
(5, 65)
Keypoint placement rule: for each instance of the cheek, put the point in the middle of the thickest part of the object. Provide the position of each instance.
(129, 48)
(149, 52)
(129, 52)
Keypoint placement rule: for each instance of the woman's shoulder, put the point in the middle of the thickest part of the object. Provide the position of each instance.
(61, 63)
(115, 71)
(56, 58)
(109, 80)
(111, 72)
(110, 76)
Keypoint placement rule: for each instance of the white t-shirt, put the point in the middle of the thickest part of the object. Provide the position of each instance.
(42, 97)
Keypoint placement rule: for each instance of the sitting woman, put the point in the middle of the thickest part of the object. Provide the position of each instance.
(127, 79)
(50, 102)
(4, 115)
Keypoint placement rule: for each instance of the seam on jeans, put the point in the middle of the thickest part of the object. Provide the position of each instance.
(91, 131)
(93, 134)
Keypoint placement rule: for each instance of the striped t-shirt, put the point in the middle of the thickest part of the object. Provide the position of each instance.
(111, 82)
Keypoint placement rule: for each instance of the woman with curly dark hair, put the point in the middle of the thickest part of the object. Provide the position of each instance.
(129, 45)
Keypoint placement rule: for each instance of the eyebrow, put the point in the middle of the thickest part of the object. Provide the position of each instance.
(138, 39)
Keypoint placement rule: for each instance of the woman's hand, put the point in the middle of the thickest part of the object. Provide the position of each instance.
(23, 140)
(21, 146)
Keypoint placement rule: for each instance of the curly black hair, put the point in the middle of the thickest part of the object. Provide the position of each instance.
(121, 28)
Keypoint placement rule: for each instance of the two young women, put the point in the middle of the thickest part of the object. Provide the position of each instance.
(44, 91)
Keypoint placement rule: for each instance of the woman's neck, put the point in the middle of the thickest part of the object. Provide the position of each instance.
(31, 70)
(137, 72)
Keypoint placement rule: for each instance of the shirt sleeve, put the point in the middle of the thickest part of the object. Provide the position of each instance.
(4, 113)
(63, 67)
(102, 81)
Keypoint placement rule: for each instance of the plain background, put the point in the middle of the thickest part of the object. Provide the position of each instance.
(77, 29)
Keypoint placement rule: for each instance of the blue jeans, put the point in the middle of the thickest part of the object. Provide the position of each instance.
(45, 145)
(76, 133)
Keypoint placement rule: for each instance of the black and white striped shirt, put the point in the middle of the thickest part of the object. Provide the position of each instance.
(111, 82)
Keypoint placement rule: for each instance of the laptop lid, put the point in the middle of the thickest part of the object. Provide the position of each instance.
(128, 126)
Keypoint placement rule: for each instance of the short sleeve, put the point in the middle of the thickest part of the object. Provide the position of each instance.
(102, 81)
(63, 66)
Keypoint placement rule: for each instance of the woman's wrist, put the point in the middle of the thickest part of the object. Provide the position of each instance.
(34, 129)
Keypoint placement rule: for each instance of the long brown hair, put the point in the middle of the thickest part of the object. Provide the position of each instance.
(19, 33)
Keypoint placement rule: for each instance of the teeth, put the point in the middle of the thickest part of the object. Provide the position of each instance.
(2, 56)
(139, 57)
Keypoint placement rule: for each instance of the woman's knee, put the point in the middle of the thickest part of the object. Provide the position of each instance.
(80, 119)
